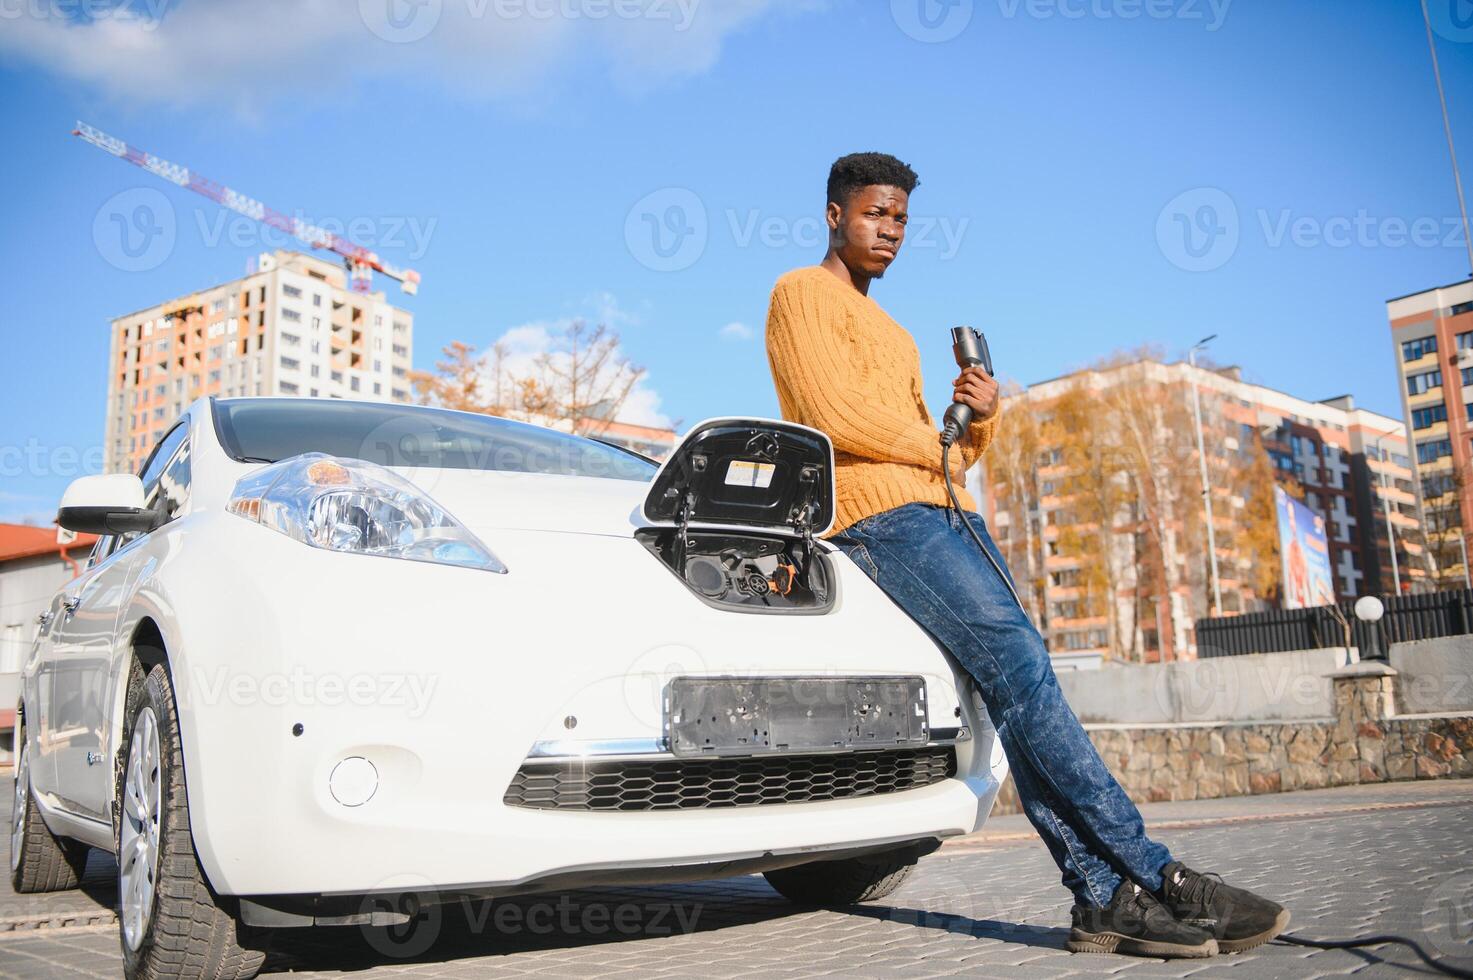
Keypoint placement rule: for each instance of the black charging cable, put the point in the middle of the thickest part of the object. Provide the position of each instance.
(947, 438)
(950, 436)
(1413, 945)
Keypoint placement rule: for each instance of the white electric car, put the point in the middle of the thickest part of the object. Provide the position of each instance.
(333, 662)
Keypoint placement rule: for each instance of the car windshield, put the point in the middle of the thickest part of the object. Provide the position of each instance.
(265, 430)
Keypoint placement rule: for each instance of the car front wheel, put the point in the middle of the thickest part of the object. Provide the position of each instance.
(39, 860)
(847, 881)
(172, 922)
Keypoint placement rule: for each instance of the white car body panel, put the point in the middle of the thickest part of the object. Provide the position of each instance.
(445, 678)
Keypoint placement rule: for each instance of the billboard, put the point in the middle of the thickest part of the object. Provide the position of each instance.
(1305, 554)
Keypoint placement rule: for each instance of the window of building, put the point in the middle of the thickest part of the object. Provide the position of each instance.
(400, 350)
(288, 388)
(1425, 418)
(316, 371)
(316, 299)
(1430, 452)
(290, 339)
(290, 364)
(1464, 339)
(1418, 384)
(287, 313)
(292, 291)
(378, 389)
(354, 383)
(1460, 309)
(337, 376)
(1411, 350)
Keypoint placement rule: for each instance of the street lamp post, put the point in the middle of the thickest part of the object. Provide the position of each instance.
(1206, 483)
(1386, 508)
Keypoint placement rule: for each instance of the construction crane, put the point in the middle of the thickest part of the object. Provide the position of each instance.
(361, 262)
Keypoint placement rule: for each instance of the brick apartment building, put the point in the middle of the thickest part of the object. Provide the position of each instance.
(291, 326)
(1432, 332)
(1351, 463)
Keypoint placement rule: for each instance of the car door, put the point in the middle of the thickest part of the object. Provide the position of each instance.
(38, 680)
(86, 641)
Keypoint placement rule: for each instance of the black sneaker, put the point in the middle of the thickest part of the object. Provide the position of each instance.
(1237, 919)
(1136, 924)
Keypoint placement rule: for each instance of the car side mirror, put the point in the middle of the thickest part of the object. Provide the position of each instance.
(111, 503)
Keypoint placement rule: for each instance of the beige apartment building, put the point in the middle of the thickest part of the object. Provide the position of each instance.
(1432, 332)
(1124, 576)
(291, 326)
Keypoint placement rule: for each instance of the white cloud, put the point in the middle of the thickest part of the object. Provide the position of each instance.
(736, 331)
(523, 346)
(249, 53)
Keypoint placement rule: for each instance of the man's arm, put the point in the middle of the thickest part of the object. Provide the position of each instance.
(813, 358)
(979, 436)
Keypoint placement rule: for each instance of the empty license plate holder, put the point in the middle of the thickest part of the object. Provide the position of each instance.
(754, 716)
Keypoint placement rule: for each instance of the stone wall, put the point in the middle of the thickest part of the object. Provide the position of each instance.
(1365, 742)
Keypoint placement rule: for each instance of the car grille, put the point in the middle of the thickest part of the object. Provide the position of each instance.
(692, 784)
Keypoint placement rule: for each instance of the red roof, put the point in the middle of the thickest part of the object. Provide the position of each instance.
(28, 541)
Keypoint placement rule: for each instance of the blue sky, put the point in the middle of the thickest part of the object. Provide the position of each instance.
(521, 153)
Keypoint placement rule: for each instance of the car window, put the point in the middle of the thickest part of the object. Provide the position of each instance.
(99, 549)
(165, 478)
(172, 491)
(265, 430)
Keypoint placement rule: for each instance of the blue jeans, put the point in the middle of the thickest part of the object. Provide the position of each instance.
(924, 559)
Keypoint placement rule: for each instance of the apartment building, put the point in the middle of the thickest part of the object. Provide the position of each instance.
(290, 326)
(1151, 566)
(1432, 333)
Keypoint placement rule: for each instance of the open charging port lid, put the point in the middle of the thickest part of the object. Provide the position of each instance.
(739, 472)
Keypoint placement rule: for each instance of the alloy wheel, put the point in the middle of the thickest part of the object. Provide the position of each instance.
(138, 839)
(18, 806)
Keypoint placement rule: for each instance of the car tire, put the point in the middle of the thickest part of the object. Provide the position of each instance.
(39, 860)
(848, 881)
(171, 922)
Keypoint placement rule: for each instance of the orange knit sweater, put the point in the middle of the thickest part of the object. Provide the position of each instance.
(843, 366)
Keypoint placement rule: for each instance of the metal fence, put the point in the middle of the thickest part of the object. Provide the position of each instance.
(1411, 617)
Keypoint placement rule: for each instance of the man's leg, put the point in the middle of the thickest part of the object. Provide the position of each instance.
(926, 561)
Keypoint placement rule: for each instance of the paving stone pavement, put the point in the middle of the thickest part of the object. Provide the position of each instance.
(1394, 858)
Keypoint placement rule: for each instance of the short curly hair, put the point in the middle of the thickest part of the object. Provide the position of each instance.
(856, 170)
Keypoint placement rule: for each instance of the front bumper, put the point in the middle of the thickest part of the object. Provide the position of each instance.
(449, 701)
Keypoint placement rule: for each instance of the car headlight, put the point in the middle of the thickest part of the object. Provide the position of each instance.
(357, 507)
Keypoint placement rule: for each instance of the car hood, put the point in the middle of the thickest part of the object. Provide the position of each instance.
(485, 500)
